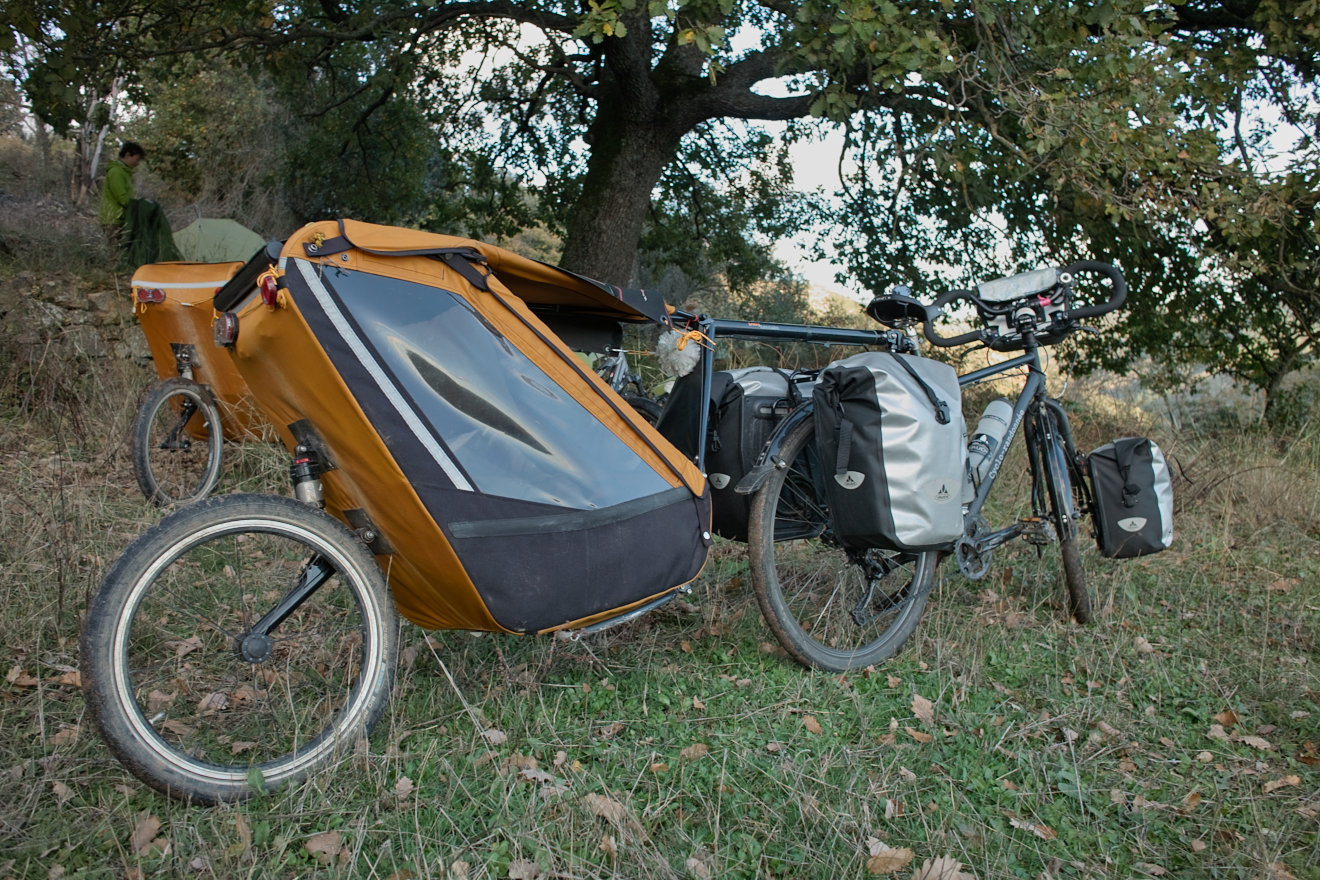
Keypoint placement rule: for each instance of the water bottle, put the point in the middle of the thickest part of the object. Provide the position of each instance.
(989, 434)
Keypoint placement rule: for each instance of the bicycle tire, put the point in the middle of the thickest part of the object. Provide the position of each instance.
(1063, 511)
(650, 409)
(162, 675)
(177, 456)
(808, 585)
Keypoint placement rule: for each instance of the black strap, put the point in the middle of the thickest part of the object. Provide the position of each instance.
(845, 447)
(941, 408)
(463, 260)
(1125, 452)
(466, 265)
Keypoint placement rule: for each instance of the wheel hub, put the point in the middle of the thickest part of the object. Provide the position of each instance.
(254, 647)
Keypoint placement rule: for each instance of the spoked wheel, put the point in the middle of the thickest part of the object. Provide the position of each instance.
(177, 442)
(1064, 513)
(831, 608)
(240, 643)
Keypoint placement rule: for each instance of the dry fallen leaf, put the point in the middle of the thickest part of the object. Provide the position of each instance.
(325, 847)
(923, 708)
(212, 703)
(1044, 832)
(62, 791)
(694, 751)
(19, 677)
(144, 834)
(1141, 646)
(612, 811)
(1152, 870)
(811, 724)
(1256, 742)
(65, 736)
(1227, 718)
(889, 860)
(244, 832)
(942, 868)
(918, 735)
(1286, 781)
(524, 869)
(403, 787)
(609, 846)
(697, 868)
(495, 737)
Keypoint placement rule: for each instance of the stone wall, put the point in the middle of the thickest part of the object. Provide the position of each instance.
(67, 318)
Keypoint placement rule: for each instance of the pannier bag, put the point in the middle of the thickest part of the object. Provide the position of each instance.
(892, 448)
(502, 485)
(745, 406)
(1133, 498)
(172, 302)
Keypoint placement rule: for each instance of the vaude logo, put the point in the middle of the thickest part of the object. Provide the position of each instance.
(719, 481)
(938, 491)
(1132, 523)
(849, 480)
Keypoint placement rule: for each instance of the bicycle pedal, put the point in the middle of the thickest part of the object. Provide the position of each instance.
(1038, 531)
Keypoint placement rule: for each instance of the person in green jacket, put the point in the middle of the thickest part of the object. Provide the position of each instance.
(117, 191)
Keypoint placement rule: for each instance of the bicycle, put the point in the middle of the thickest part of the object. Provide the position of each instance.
(617, 372)
(838, 608)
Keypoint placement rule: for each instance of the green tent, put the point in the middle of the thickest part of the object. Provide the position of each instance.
(217, 241)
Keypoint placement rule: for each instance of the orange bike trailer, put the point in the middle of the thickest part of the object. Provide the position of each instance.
(172, 302)
(501, 483)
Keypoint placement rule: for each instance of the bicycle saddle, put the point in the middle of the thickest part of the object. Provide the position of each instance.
(896, 310)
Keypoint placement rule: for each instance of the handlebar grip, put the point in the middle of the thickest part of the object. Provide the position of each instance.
(1116, 297)
(933, 311)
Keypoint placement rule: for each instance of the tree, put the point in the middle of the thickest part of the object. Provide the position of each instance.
(1065, 129)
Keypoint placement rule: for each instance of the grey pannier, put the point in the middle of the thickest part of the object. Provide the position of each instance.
(1133, 498)
(892, 445)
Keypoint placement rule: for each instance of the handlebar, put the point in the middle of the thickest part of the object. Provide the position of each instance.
(1116, 296)
(1061, 323)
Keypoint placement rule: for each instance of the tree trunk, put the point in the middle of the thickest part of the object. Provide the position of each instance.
(629, 152)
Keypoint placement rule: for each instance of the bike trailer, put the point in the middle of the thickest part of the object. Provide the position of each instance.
(1133, 498)
(892, 447)
(172, 302)
(745, 406)
(502, 485)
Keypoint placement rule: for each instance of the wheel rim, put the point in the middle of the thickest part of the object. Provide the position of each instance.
(198, 707)
(846, 607)
(183, 458)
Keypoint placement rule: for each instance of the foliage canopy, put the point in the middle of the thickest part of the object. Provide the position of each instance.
(991, 134)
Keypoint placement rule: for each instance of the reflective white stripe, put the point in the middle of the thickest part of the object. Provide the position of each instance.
(179, 285)
(382, 381)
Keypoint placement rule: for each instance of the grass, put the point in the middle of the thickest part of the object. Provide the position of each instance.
(1179, 736)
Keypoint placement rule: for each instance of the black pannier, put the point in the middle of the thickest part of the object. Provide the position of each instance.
(891, 440)
(745, 406)
(1133, 498)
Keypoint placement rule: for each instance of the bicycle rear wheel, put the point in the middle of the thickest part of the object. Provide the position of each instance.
(177, 442)
(199, 703)
(830, 607)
